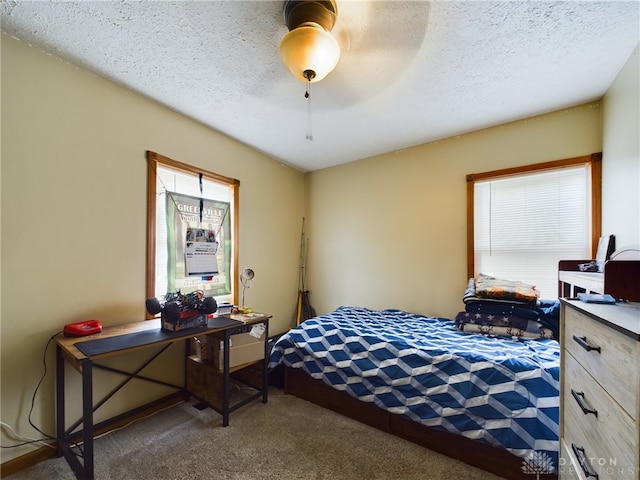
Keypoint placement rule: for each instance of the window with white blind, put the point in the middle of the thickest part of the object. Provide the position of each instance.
(524, 221)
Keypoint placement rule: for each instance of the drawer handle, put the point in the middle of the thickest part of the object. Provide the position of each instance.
(582, 341)
(579, 397)
(582, 459)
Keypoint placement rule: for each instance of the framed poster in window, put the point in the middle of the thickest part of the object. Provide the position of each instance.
(198, 244)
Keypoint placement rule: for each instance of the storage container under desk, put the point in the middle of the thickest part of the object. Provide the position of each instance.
(246, 377)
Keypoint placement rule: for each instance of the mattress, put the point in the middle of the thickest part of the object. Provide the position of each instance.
(499, 390)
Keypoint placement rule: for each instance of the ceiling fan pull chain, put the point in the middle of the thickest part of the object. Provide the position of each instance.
(307, 95)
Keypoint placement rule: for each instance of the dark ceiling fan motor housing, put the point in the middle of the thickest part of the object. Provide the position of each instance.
(298, 12)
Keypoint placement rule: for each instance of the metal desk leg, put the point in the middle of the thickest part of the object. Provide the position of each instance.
(265, 364)
(226, 379)
(82, 470)
(87, 417)
(60, 420)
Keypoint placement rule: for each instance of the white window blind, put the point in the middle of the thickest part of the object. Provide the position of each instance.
(524, 224)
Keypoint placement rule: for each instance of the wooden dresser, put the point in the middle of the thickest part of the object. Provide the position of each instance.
(600, 391)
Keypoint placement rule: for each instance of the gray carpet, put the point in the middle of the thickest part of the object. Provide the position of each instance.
(286, 439)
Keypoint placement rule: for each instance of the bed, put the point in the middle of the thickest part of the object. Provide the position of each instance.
(489, 400)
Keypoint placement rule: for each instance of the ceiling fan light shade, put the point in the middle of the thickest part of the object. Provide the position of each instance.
(309, 51)
(309, 47)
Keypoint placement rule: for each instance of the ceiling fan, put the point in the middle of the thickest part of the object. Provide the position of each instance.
(353, 47)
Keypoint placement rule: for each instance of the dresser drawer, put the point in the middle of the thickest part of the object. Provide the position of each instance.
(602, 429)
(606, 354)
(569, 466)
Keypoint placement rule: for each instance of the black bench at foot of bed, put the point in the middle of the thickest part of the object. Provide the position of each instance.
(481, 455)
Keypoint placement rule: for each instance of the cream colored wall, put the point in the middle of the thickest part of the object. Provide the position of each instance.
(390, 231)
(621, 156)
(74, 221)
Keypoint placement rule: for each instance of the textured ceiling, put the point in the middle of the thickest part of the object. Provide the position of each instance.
(410, 72)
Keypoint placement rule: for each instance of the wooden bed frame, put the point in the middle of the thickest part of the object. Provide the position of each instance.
(481, 455)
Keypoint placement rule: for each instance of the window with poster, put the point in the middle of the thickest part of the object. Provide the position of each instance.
(191, 230)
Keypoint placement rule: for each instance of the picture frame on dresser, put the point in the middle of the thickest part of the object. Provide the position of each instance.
(606, 247)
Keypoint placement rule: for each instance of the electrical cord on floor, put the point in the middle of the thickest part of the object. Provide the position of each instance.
(135, 420)
(41, 441)
(27, 440)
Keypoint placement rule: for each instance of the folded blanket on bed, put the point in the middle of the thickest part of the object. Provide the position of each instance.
(491, 287)
(471, 296)
(546, 312)
(501, 325)
(503, 308)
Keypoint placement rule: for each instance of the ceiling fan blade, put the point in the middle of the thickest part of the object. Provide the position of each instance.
(374, 51)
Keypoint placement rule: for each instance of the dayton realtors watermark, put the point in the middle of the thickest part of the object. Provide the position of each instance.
(540, 463)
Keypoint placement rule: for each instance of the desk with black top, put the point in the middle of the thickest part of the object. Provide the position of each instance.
(82, 353)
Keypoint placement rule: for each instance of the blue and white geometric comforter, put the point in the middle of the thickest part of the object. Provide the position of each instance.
(497, 390)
